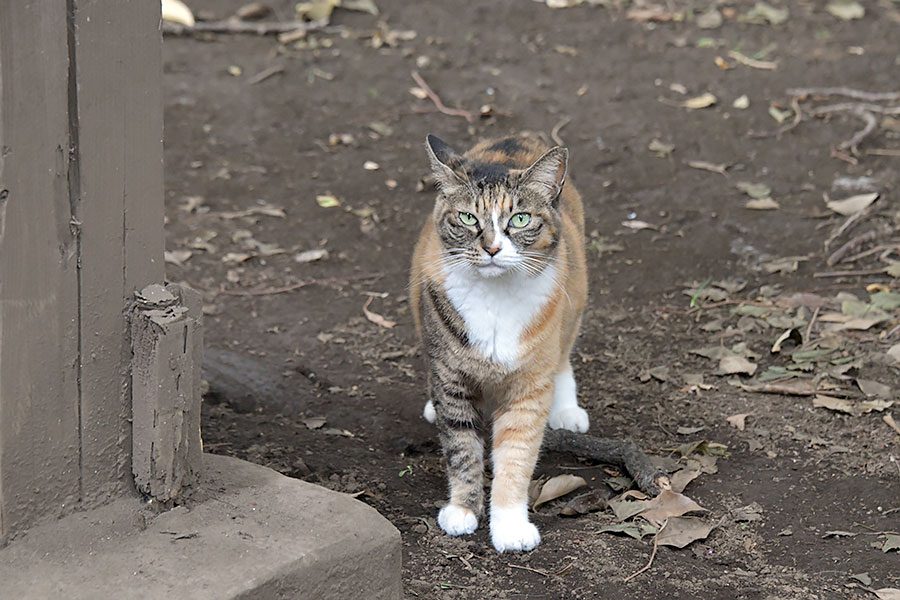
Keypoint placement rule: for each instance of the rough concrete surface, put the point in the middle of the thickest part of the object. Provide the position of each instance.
(250, 533)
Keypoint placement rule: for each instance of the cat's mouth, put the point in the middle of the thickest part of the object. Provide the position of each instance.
(492, 268)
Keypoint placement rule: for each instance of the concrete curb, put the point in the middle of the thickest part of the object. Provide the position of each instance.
(248, 533)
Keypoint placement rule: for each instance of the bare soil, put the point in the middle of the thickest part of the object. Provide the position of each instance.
(311, 352)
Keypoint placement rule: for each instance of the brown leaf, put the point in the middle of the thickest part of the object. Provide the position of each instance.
(873, 388)
(832, 403)
(681, 531)
(762, 204)
(888, 594)
(558, 486)
(314, 422)
(889, 419)
(733, 364)
(585, 503)
(680, 479)
(853, 204)
(375, 317)
(738, 420)
(668, 504)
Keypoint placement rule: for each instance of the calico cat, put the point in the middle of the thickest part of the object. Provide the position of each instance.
(498, 286)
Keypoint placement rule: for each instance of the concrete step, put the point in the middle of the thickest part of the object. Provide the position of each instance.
(247, 532)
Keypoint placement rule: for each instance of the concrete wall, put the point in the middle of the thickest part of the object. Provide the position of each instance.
(81, 217)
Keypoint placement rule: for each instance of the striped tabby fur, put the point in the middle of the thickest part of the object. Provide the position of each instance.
(498, 286)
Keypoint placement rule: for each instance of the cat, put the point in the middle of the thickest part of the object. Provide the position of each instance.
(498, 287)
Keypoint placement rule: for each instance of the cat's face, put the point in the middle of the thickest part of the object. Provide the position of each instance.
(493, 220)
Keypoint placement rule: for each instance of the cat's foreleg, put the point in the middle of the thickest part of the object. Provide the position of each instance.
(566, 414)
(518, 430)
(459, 426)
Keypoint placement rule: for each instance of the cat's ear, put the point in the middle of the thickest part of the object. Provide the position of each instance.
(445, 164)
(545, 177)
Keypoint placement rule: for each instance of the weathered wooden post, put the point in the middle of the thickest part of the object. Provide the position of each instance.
(100, 360)
(81, 217)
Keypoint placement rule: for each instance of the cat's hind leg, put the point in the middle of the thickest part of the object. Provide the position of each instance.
(566, 414)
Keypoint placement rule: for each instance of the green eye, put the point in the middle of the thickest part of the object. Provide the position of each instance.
(467, 218)
(520, 220)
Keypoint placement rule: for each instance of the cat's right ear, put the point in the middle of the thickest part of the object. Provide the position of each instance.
(445, 164)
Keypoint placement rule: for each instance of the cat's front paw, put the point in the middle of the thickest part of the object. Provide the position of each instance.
(573, 418)
(429, 412)
(457, 520)
(511, 531)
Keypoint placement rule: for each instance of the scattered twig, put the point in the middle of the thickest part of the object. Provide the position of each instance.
(554, 134)
(236, 26)
(812, 322)
(883, 152)
(533, 570)
(870, 124)
(652, 555)
(453, 112)
(851, 222)
(845, 91)
(825, 274)
(854, 106)
(752, 62)
(298, 285)
(708, 166)
(862, 238)
(871, 251)
(835, 153)
(648, 478)
(265, 74)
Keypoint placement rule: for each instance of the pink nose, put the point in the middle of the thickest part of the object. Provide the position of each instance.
(492, 250)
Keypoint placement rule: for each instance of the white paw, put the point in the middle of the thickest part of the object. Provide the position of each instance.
(429, 413)
(573, 418)
(511, 531)
(456, 520)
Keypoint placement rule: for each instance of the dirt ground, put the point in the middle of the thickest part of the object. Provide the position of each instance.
(610, 86)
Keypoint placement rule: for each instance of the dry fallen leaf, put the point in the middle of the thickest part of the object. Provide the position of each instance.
(754, 190)
(846, 10)
(738, 420)
(681, 531)
(888, 594)
(667, 504)
(311, 255)
(327, 201)
(585, 503)
(889, 419)
(177, 257)
(314, 422)
(831, 403)
(375, 317)
(762, 204)
(680, 479)
(558, 486)
(177, 11)
(702, 101)
(733, 364)
(638, 225)
(853, 204)
(874, 388)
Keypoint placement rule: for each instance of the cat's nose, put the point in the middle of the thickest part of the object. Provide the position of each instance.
(492, 250)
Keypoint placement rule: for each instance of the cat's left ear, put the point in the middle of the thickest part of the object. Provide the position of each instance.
(546, 176)
(445, 164)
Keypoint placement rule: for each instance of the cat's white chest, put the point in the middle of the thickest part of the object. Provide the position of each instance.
(497, 310)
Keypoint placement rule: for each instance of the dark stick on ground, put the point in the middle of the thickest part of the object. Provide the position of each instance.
(625, 453)
(235, 26)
